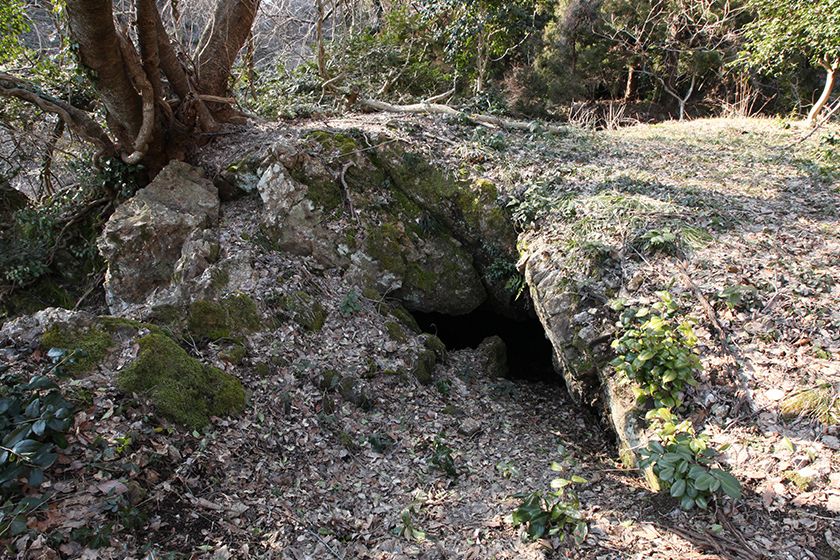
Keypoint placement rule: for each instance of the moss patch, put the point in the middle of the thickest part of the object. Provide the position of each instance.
(234, 315)
(821, 402)
(181, 387)
(303, 310)
(436, 345)
(386, 244)
(233, 354)
(333, 141)
(208, 319)
(424, 367)
(395, 331)
(406, 318)
(85, 346)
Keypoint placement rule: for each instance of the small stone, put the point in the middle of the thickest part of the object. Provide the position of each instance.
(831, 442)
(469, 427)
(833, 503)
(775, 394)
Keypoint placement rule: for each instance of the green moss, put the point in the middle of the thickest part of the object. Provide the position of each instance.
(371, 293)
(324, 194)
(117, 324)
(436, 345)
(234, 315)
(479, 207)
(262, 369)
(167, 315)
(420, 277)
(87, 346)
(330, 379)
(181, 388)
(387, 244)
(820, 402)
(424, 367)
(333, 141)
(406, 318)
(242, 312)
(233, 354)
(303, 310)
(208, 319)
(219, 278)
(395, 331)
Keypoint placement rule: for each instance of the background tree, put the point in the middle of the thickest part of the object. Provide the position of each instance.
(784, 31)
(148, 118)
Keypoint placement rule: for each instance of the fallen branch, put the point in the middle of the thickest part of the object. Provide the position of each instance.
(436, 108)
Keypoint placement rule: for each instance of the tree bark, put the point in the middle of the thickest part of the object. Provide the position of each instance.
(630, 86)
(830, 76)
(220, 44)
(92, 29)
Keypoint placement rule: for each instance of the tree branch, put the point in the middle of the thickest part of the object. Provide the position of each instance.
(78, 121)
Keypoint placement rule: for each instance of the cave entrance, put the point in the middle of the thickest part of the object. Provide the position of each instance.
(529, 352)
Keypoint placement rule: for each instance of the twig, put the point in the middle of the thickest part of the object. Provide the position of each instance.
(345, 190)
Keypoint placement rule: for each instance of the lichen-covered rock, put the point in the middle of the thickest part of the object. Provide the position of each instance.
(181, 387)
(493, 354)
(580, 328)
(27, 330)
(393, 222)
(144, 238)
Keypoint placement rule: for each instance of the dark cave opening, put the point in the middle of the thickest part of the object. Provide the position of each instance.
(529, 352)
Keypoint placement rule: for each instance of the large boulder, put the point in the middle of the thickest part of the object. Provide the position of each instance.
(143, 241)
(580, 327)
(389, 219)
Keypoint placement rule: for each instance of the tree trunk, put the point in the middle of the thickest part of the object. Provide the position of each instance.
(220, 44)
(830, 76)
(630, 86)
(92, 29)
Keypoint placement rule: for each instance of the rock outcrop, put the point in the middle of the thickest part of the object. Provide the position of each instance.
(389, 219)
(573, 310)
(144, 240)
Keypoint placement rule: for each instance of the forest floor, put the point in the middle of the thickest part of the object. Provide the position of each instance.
(743, 219)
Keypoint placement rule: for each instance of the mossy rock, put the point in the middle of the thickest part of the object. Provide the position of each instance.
(351, 391)
(333, 141)
(406, 318)
(87, 346)
(303, 310)
(424, 367)
(233, 316)
(117, 325)
(436, 345)
(395, 331)
(181, 387)
(208, 319)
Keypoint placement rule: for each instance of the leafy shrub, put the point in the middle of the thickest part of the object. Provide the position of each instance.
(442, 459)
(551, 513)
(663, 240)
(682, 462)
(739, 296)
(657, 353)
(34, 418)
